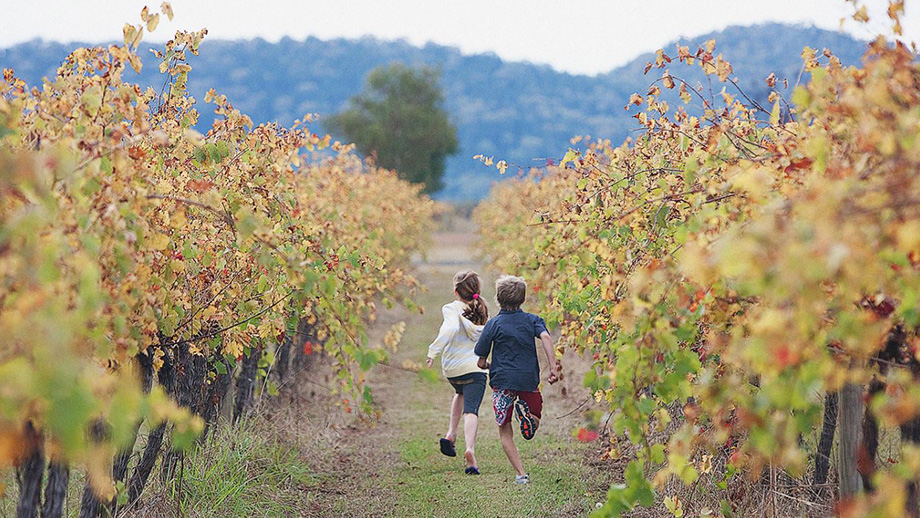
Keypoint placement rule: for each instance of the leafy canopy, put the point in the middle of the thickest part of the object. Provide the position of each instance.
(400, 120)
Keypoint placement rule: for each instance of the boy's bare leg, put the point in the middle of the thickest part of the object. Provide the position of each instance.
(470, 425)
(506, 433)
(456, 408)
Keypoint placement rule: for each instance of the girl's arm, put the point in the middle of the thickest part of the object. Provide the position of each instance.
(449, 328)
(484, 346)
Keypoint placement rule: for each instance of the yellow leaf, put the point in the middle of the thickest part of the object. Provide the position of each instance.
(177, 219)
(159, 241)
(706, 464)
(684, 94)
(152, 22)
(208, 313)
(774, 115)
(135, 62)
(233, 348)
(167, 10)
(132, 35)
(862, 15)
(909, 236)
(753, 181)
(129, 31)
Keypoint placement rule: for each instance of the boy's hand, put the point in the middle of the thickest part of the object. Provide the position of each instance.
(429, 362)
(483, 363)
(555, 373)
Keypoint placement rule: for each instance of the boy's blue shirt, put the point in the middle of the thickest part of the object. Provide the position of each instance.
(510, 337)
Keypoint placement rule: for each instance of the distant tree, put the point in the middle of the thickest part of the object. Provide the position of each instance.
(400, 120)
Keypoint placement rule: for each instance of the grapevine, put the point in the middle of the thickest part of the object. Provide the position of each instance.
(733, 264)
(142, 261)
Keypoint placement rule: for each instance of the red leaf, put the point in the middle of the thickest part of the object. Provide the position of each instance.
(199, 185)
(585, 435)
(786, 356)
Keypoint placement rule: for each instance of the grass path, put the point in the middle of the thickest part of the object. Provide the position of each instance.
(396, 468)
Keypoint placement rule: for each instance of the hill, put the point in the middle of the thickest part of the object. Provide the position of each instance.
(516, 111)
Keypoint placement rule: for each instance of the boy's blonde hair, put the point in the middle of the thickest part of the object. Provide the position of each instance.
(511, 292)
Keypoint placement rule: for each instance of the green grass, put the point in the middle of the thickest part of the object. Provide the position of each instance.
(241, 471)
(433, 485)
(244, 472)
(11, 493)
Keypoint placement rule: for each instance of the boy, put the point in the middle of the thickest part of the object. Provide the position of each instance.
(514, 373)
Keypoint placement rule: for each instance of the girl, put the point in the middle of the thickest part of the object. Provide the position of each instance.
(463, 322)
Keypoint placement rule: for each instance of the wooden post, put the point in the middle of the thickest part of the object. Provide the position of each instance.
(56, 489)
(30, 474)
(828, 429)
(850, 415)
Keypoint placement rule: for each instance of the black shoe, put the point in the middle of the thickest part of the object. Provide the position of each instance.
(447, 448)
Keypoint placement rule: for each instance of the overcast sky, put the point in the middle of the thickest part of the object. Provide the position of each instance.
(578, 36)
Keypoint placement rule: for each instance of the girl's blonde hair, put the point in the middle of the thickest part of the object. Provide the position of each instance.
(468, 287)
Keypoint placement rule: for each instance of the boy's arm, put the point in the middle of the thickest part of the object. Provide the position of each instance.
(547, 341)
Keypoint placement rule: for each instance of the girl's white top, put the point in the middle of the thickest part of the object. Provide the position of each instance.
(456, 341)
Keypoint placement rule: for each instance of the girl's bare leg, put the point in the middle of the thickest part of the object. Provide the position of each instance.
(470, 426)
(506, 433)
(456, 408)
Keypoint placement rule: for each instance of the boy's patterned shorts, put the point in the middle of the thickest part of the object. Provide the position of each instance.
(503, 403)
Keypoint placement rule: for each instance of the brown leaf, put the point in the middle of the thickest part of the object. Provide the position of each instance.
(771, 80)
(667, 80)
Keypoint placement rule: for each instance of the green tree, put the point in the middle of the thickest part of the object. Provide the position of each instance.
(400, 120)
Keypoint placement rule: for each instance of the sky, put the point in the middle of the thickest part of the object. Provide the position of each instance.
(576, 36)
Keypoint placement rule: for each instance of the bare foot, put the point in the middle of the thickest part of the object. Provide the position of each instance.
(470, 459)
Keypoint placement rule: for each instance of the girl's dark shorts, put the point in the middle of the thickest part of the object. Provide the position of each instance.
(472, 386)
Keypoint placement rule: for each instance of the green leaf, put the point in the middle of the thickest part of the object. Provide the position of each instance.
(774, 114)
(183, 437)
(570, 156)
(92, 100)
(367, 359)
(213, 153)
(222, 149)
(428, 375)
(201, 155)
(657, 453)
(801, 97)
